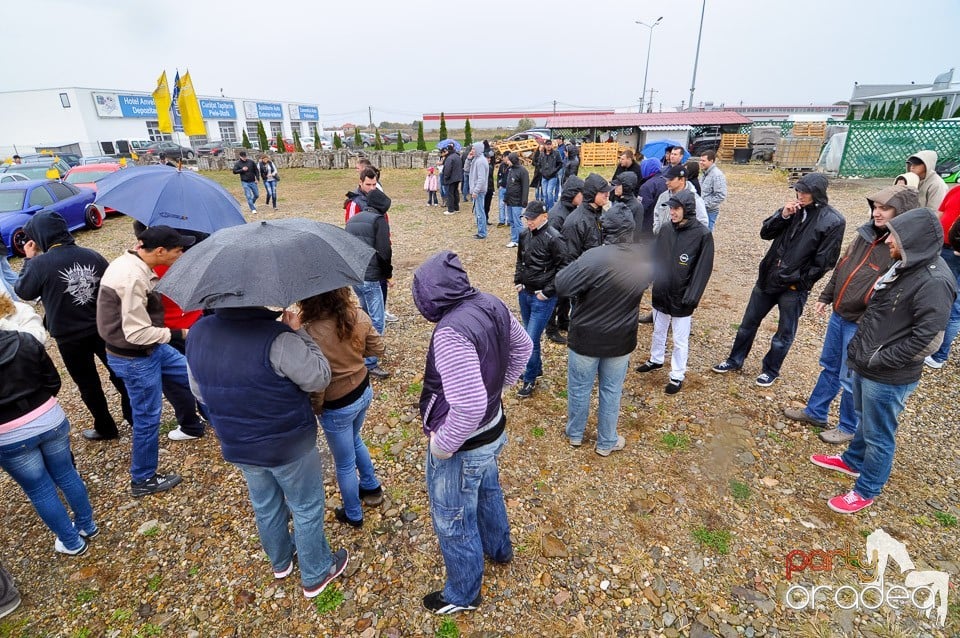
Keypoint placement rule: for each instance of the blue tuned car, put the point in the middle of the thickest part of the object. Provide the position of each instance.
(20, 200)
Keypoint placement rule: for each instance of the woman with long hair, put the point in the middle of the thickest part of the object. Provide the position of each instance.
(346, 335)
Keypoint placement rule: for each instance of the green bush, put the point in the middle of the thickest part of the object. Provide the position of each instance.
(357, 140)
(317, 144)
(281, 147)
(443, 126)
(421, 143)
(400, 142)
(377, 142)
(467, 133)
(245, 142)
(337, 144)
(262, 137)
(297, 146)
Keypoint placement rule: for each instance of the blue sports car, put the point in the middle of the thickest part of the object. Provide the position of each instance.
(20, 200)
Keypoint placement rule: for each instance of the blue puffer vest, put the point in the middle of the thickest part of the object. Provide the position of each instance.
(473, 319)
(260, 417)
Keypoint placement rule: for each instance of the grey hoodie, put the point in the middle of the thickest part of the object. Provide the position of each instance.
(479, 171)
(932, 187)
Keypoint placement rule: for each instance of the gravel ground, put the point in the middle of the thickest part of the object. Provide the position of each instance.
(630, 545)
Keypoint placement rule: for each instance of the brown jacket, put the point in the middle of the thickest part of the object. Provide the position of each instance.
(346, 362)
(129, 312)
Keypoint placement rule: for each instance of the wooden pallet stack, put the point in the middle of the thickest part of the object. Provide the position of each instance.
(729, 142)
(600, 154)
(810, 129)
(798, 156)
(524, 148)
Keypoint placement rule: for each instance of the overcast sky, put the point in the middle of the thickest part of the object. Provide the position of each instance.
(405, 58)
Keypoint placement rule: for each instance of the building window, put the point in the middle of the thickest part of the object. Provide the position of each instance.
(228, 132)
(252, 131)
(153, 132)
(312, 127)
(296, 127)
(65, 100)
(276, 128)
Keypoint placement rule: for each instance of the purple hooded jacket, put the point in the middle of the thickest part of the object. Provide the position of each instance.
(653, 186)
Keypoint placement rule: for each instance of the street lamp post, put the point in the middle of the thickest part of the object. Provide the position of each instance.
(647, 69)
(696, 58)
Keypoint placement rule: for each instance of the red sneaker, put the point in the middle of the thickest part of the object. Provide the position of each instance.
(849, 503)
(834, 463)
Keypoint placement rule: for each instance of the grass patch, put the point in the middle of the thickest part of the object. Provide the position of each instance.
(739, 490)
(14, 628)
(562, 394)
(86, 595)
(121, 615)
(328, 600)
(716, 539)
(674, 442)
(946, 519)
(83, 632)
(538, 432)
(154, 583)
(168, 426)
(148, 629)
(193, 571)
(153, 531)
(415, 388)
(447, 629)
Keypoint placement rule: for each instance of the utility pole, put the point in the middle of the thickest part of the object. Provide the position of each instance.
(554, 107)
(696, 58)
(370, 115)
(647, 69)
(650, 100)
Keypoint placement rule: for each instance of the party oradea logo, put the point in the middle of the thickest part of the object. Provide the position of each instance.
(925, 590)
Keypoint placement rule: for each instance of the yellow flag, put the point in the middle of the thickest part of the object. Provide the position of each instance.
(190, 108)
(161, 97)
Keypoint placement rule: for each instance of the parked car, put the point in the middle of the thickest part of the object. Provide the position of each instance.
(949, 170)
(366, 141)
(39, 168)
(71, 159)
(216, 147)
(98, 159)
(87, 177)
(171, 149)
(20, 200)
(391, 138)
(539, 135)
(287, 146)
(12, 177)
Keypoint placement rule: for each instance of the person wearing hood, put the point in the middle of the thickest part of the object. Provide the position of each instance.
(675, 177)
(255, 375)
(550, 164)
(848, 291)
(479, 172)
(806, 233)
(605, 285)
(932, 188)
(627, 162)
(477, 348)
(35, 438)
(581, 230)
(713, 186)
(949, 214)
(903, 322)
(372, 228)
(450, 177)
(624, 192)
(682, 265)
(908, 179)
(66, 277)
(515, 196)
(653, 185)
(571, 164)
(570, 198)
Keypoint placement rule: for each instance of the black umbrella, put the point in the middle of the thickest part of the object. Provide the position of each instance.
(267, 263)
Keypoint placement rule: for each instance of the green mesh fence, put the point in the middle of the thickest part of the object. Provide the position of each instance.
(880, 148)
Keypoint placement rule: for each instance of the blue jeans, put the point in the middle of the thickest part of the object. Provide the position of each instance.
(144, 378)
(535, 315)
(834, 376)
(516, 226)
(550, 187)
(465, 185)
(581, 372)
(712, 218)
(270, 186)
(370, 295)
(40, 465)
(480, 214)
(502, 219)
(872, 448)
(251, 192)
(469, 516)
(342, 429)
(953, 324)
(8, 277)
(294, 489)
(790, 306)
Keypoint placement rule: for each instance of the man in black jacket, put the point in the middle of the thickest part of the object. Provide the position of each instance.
(625, 191)
(581, 229)
(550, 164)
(503, 167)
(605, 284)
(67, 278)
(373, 229)
(806, 236)
(451, 176)
(539, 257)
(570, 197)
(628, 162)
(247, 169)
(903, 323)
(515, 196)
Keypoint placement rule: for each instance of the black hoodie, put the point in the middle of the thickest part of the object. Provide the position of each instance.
(683, 261)
(630, 185)
(28, 377)
(805, 245)
(518, 183)
(564, 206)
(372, 228)
(66, 277)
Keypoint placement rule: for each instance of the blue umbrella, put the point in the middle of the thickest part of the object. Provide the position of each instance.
(446, 142)
(158, 195)
(657, 149)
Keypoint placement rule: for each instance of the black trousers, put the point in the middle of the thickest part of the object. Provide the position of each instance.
(487, 198)
(560, 319)
(79, 358)
(453, 197)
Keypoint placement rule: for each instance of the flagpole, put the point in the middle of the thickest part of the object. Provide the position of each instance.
(173, 113)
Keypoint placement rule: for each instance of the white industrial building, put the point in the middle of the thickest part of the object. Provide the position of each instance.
(91, 121)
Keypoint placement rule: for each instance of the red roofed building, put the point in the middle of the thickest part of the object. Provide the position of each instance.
(495, 119)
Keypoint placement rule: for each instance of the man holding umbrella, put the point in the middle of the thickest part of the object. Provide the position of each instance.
(130, 321)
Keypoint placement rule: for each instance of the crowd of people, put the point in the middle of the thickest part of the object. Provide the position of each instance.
(587, 250)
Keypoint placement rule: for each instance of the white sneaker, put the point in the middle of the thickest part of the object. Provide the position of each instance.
(930, 362)
(449, 212)
(511, 244)
(390, 317)
(60, 548)
(180, 435)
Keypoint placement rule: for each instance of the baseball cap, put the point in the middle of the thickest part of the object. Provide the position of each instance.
(534, 209)
(675, 171)
(164, 237)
